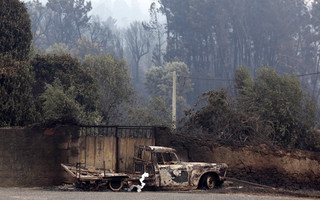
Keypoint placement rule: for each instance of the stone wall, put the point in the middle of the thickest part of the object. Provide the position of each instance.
(260, 164)
(32, 157)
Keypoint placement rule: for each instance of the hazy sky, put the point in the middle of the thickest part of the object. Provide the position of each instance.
(124, 11)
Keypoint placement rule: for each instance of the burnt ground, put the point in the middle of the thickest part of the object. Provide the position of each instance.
(244, 187)
(231, 186)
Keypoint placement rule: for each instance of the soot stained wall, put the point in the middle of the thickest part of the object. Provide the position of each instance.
(32, 157)
(260, 164)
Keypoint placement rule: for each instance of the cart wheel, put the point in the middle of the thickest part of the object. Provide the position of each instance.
(115, 185)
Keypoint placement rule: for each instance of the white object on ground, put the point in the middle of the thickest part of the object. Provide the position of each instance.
(140, 187)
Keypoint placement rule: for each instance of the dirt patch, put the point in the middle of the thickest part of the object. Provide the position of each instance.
(238, 186)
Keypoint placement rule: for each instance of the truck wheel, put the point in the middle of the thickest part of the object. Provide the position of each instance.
(115, 185)
(209, 181)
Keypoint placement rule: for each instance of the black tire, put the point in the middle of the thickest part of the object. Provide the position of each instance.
(209, 181)
(115, 185)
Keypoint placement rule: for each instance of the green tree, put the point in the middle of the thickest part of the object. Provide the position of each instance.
(16, 78)
(159, 84)
(114, 84)
(68, 19)
(154, 113)
(269, 109)
(39, 17)
(280, 100)
(58, 49)
(48, 68)
(16, 102)
(60, 105)
(309, 56)
(85, 47)
(105, 35)
(215, 37)
(15, 29)
(68, 22)
(218, 117)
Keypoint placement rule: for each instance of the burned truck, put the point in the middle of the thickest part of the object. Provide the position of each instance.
(163, 168)
(166, 171)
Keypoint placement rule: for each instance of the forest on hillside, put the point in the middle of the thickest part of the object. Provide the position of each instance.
(250, 66)
(212, 37)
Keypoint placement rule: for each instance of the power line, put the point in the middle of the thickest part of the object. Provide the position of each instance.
(308, 74)
(224, 79)
(206, 79)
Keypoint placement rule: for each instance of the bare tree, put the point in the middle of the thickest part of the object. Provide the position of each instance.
(106, 36)
(68, 20)
(158, 31)
(138, 43)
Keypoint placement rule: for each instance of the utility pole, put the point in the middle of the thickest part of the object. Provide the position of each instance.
(174, 100)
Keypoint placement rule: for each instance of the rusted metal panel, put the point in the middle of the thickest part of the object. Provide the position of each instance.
(160, 149)
(188, 175)
(136, 132)
(98, 131)
(173, 176)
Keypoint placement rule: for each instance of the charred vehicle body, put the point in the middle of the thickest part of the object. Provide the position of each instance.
(164, 169)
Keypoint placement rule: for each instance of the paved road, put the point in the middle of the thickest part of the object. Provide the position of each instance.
(42, 194)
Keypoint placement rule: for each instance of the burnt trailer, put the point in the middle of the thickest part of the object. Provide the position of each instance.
(94, 179)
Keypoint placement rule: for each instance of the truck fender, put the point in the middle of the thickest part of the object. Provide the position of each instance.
(202, 179)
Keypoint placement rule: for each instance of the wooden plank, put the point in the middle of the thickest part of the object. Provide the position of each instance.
(99, 156)
(126, 150)
(82, 149)
(122, 152)
(109, 152)
(94, 150)
(90, 151)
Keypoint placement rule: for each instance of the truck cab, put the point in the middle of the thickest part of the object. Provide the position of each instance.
(167, 171)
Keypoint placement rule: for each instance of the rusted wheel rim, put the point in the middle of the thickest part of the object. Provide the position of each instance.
(210, 182)
(115, 185)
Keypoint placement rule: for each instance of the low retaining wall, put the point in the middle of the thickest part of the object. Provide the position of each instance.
(261, 164)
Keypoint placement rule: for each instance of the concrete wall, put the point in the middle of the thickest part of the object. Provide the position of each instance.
(32, 157)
